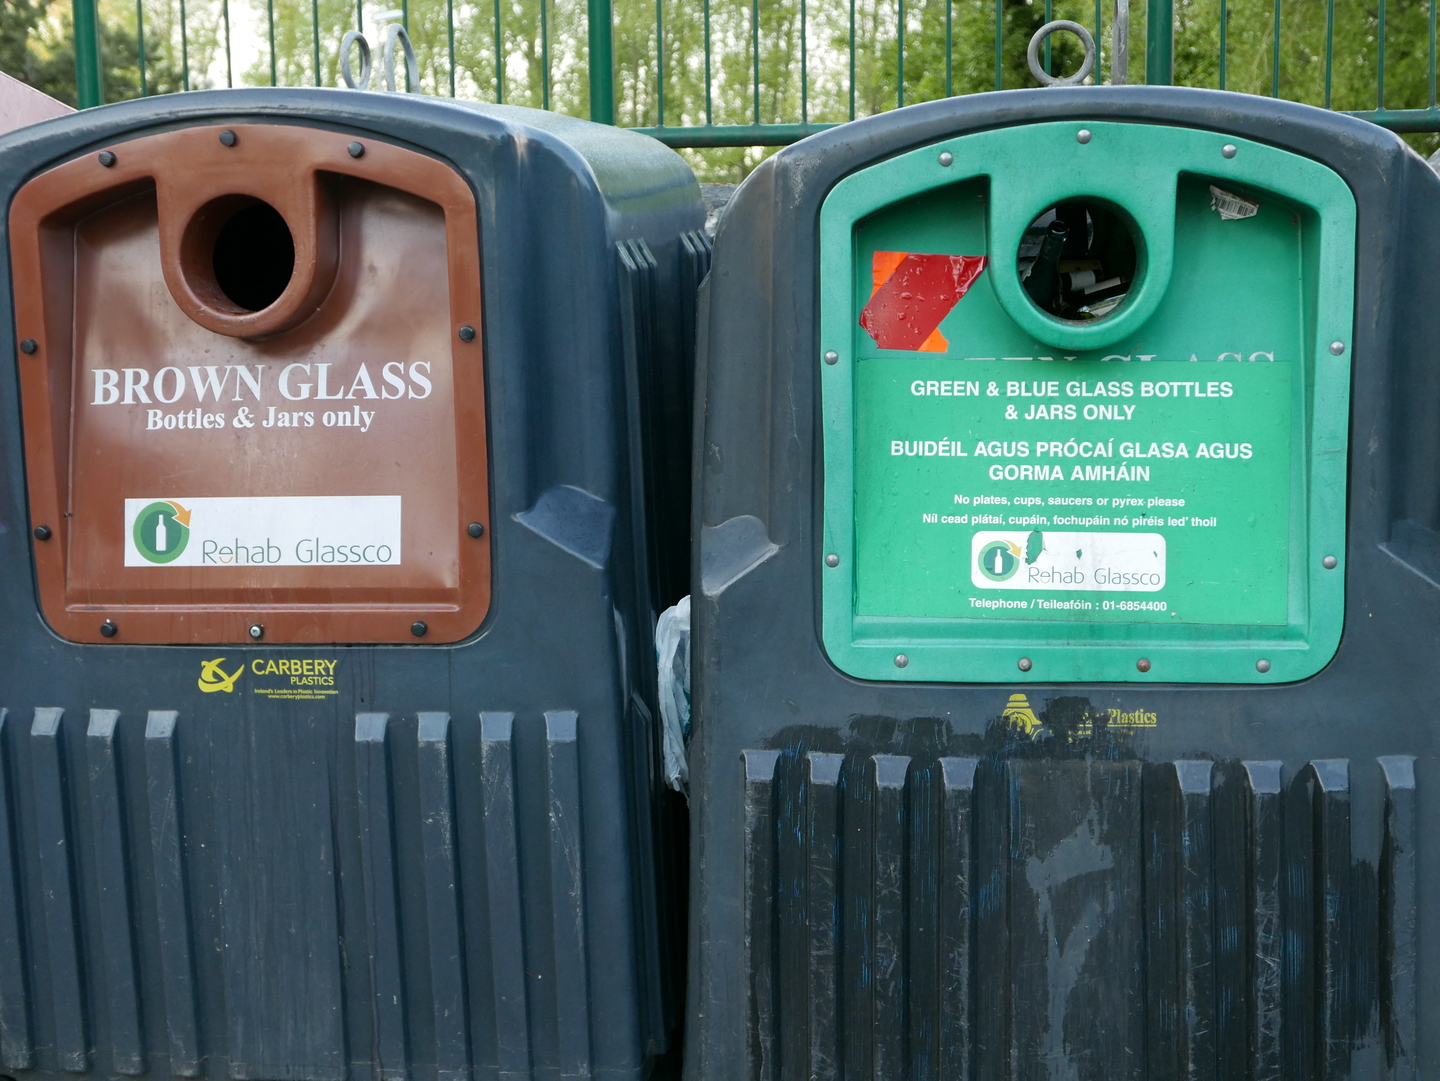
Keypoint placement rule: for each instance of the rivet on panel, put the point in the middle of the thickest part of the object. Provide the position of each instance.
(1337, 348)
(29, 345)
(475, 529)
(418, 628)
(257, 631)
(467, 334)
(1329, 563)
(947, 159)
(227, 138)
(1143, 665)
(1025, 664)
(832, 357)
(901, 660)
(1228, 150)
(1262, 666)
(832, 560)
(1083, 135)
(106, 158)
(357, 150)
(108, 629)
(42, 532)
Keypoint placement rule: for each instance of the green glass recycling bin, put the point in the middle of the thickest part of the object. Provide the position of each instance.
(1097, 483)
(1066, 605)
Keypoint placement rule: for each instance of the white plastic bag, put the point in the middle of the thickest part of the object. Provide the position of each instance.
(672, 655)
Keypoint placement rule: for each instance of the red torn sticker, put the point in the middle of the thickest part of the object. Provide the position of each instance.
(912, 293)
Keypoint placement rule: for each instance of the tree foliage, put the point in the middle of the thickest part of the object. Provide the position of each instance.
(688, 62)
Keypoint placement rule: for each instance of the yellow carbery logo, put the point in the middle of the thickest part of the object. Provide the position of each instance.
(1018, 713)
(214, 678)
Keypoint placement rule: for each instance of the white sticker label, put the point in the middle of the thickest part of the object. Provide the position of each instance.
(273, 531)
(1042, 559)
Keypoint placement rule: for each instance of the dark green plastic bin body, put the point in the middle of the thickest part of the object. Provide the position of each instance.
(934, 841)
(453, 868)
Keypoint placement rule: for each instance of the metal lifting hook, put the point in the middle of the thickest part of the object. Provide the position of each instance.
(1032, 55)
(394, 34)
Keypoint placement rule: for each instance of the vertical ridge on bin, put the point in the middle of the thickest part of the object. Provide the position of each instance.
(502, 875)
(62, 935)
(1399, 917)
(382, 909)
(442, 897)
(1263, 847)
(822, 829)
(567, 891)
(17, 1052)
(1164, 1005)
(172, 901)
(1197, 926)
(890, 912)
(792, 937)
(992, 830)
(1331, 809)
(760, 871)
(923, 837)
(957, 807)
(112, 872)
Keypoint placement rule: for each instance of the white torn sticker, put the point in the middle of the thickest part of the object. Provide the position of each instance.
(1231, 207)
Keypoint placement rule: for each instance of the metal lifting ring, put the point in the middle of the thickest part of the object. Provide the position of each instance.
(355, 37)
(1032, 55)
(393, 33)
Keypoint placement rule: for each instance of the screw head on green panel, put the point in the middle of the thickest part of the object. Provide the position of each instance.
(832, 560)
(1083, 135)
(1262, 666)
(1337, 348)
(832, 357)
(1143, 665)
(901, 660)
(1228, 150)
(947, 159)
(1024, 664)
(1330, 563)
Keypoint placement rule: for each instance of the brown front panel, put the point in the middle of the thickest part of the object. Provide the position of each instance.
(220, 433)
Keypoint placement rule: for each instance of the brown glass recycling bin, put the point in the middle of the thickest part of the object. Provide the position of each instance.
(253, 386)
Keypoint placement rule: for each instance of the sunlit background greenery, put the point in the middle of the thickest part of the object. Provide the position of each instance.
(804, 52)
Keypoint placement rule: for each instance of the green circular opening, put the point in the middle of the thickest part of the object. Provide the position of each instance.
(1077, 260)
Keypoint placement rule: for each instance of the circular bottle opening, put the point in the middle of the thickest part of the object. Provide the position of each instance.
(254, 257)
(1077, 260)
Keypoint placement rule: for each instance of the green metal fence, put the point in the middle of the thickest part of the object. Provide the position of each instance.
(743, 73)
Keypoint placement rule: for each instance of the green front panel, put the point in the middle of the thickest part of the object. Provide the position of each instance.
(1150, 495)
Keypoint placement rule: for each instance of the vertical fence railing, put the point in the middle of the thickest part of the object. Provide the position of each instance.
(760, 128)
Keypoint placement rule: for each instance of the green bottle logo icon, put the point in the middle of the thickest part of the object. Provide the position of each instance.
(162, 530)
(999, 560)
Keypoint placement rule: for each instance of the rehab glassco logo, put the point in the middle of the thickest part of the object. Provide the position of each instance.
(999, 560)
(162, 530)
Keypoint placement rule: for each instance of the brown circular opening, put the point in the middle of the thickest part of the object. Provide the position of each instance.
(254, 257)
